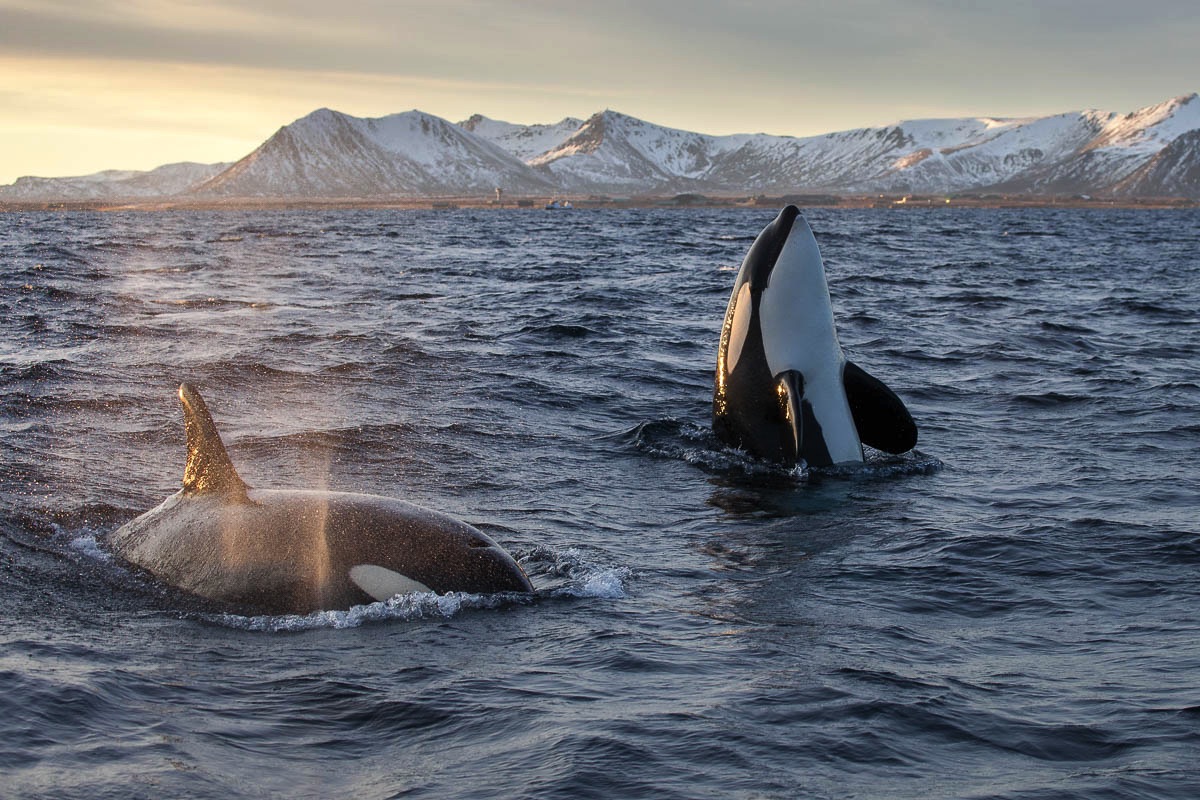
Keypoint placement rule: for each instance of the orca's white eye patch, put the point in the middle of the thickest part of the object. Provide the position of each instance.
(739, 327)
(382, 583)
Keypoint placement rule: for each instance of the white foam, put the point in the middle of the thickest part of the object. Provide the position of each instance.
(608, 584)
(414, 606)
(583, 579)
(90, 547)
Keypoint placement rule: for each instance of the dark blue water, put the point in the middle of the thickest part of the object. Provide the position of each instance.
(1011, 611)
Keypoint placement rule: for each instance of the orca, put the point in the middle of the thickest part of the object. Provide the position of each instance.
(784, 391)
(295, 551)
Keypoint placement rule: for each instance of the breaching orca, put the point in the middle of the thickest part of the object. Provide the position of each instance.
(784, 391)
(296, 551)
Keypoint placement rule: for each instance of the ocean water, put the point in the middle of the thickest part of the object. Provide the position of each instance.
(1010, 611)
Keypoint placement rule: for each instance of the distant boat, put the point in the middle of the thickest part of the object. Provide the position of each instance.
(554, 205)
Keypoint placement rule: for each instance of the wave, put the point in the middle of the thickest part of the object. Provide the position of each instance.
(407, 607)
(764, 629)
(697, 445)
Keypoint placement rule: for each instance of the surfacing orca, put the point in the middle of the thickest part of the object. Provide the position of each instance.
(281, 551)
(784, 390)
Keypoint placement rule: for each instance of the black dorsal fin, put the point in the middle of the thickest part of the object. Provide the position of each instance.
(208, 470)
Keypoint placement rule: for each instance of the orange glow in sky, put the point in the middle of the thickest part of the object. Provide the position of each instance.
(134, 84)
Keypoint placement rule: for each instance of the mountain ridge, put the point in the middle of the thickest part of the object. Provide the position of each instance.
(1151, 152)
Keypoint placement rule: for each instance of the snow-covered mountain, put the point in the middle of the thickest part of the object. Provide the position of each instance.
(1151, 152)
(612, 152)
(524, 141)
(328, 154)
(165, 181)
(1091, 152)
(1173, 172)
(1125, 145)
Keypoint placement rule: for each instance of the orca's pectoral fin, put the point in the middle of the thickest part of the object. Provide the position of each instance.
(209, 469)
(880, 416)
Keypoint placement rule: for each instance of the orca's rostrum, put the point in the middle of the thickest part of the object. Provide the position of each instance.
(299, 550)
(784, 391)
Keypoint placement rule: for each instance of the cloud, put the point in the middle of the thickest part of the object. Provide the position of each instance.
(876, 49)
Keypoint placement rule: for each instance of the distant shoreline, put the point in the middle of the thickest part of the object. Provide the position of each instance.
(994, 201)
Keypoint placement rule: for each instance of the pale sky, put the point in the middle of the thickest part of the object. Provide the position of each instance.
(87, 85)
